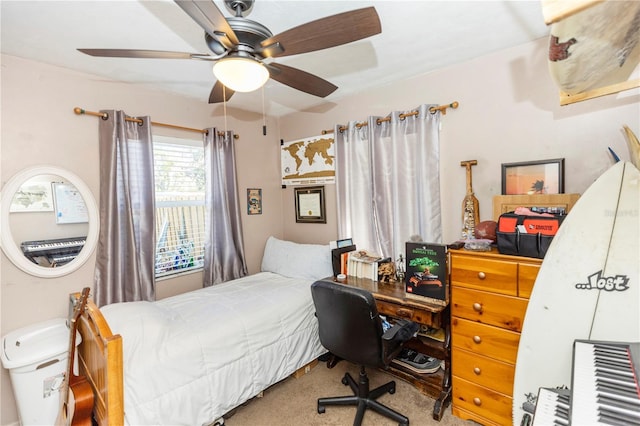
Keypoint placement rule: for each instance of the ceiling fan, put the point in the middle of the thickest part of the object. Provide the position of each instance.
(240, 46)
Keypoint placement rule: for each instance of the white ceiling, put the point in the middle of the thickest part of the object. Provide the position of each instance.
(417, 37)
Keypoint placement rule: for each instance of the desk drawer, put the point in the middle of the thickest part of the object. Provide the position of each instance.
(488, 308)
(410, 313)
(485, 340)
(485, 402)
(490, 373)
(498, 276)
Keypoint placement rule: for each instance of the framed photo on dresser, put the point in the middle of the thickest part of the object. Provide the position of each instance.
(533, 177)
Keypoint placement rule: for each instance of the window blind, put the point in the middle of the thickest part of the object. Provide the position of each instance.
(179, 191)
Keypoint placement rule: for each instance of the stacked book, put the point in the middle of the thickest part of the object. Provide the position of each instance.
(362, 264)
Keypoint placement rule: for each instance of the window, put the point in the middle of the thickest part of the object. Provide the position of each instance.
(179, 188)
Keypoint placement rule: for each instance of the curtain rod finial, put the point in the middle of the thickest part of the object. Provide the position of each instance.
(78, 110)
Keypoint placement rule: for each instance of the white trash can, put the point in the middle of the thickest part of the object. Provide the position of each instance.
(36, 357)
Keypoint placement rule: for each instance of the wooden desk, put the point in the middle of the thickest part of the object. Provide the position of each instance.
(391, 301)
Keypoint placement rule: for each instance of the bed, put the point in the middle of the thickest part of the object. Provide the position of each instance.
(191, 358)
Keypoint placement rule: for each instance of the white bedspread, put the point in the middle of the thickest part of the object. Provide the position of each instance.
(191, 358)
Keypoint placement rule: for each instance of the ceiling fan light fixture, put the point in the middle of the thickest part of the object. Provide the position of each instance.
(241, 74)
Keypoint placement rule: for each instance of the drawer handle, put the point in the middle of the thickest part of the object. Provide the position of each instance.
(477, 371)
(482, 275)
(477, 401)
(477, 307)
(403, 313)
(477, 339)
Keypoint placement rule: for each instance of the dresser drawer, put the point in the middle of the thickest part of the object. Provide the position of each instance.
(527, 274)
(490, 373)
(402, 311)
(485, 402)
(498, 276)
(484, 339)
(488, 308)
(470, 415)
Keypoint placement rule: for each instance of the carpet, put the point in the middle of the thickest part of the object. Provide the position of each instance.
(292, 402)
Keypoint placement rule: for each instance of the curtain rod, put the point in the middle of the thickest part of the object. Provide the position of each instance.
(441, 108)
(80, 111)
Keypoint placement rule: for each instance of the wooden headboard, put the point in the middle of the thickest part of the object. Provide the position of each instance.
(100, 360)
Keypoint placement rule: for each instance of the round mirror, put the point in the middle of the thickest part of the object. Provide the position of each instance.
(49, 221)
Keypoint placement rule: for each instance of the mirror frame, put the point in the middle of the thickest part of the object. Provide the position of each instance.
(10, 247)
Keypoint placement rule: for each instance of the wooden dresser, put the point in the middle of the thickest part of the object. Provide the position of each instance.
(489, 296)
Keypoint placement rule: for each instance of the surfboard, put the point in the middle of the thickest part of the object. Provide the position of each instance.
(587, 288)
(595, 47)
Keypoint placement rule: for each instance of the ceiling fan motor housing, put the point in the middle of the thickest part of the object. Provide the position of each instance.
(249, 33)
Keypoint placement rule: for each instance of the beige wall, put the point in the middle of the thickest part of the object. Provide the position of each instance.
(508, 112)
(39, 127)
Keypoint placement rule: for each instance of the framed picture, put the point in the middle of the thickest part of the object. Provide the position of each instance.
(533, 177)
(254, 201)
(34, 195)
(309, 202)
(69, 204)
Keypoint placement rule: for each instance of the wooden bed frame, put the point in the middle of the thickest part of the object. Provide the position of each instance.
(100, 361)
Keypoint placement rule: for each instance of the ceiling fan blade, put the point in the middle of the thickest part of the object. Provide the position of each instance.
(218, 93)
(147, 54)
(328, 32)
(301, 80)
(208, 16)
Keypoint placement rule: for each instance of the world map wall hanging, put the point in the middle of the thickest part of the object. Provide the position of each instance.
(309, 161)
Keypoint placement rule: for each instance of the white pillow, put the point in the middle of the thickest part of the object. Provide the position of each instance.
(307, 261)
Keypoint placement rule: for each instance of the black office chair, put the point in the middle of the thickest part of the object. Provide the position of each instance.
(351, 329)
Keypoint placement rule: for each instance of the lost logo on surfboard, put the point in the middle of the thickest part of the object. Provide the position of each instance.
(598, 282)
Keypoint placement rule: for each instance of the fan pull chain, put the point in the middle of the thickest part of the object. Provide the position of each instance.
(264, 119)
(224, 106)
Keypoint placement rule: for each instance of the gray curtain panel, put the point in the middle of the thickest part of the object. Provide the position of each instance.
(224, 257)
(388, 181)
(125, 252)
